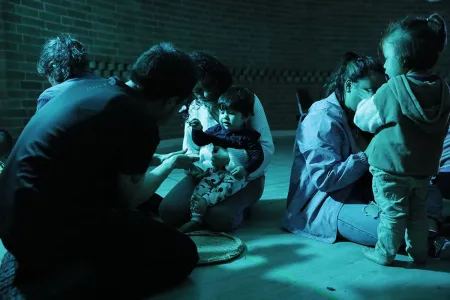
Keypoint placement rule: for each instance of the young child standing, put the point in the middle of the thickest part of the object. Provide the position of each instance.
(410, 118)
(217, 184)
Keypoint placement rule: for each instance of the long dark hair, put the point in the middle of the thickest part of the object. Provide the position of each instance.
(418, 41)
(352, 67)
(62, 57)
(213, 74)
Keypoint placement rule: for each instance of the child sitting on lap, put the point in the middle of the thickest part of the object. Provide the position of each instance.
(217, 184)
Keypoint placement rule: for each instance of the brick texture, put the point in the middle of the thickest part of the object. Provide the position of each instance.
(271, 46)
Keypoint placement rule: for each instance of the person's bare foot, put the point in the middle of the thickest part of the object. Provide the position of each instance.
(374, 256)
(191, 226)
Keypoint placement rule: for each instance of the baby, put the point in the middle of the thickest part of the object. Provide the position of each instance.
(217, 184)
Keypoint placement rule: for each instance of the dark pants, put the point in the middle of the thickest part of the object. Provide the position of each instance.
(127, 254)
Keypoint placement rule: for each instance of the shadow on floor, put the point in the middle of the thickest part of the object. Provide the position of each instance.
(249, 276)
(433, 265)
(412, 291)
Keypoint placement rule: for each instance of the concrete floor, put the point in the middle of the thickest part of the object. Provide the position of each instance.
(279, 265)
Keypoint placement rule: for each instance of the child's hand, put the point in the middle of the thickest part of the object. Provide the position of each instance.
(195, 124)
(239, 172)
(220, 157)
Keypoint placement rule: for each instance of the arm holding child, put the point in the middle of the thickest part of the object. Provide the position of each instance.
(203, 138)
(248, 142)
(255, 153)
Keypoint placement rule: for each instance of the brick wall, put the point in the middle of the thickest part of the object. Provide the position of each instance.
(272, 46)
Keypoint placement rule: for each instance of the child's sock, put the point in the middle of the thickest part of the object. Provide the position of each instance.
(196, 217)
(375, 256)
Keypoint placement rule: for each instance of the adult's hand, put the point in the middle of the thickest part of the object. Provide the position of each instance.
(169, 155)
(160, 158)
(220, 157)
(182, 161)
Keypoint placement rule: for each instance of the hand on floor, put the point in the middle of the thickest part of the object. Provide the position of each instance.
(191, 226)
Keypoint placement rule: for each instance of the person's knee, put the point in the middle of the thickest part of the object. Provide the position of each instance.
(222, 220)
(228, 215)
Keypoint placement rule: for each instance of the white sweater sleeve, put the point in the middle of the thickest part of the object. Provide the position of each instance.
(259, 123)
(367, 117)
(188, 143)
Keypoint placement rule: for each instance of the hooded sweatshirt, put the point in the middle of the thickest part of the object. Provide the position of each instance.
(410, 120)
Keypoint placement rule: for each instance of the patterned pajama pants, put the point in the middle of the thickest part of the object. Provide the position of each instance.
(214, 188)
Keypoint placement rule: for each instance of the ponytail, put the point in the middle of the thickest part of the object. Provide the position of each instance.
(437, 24)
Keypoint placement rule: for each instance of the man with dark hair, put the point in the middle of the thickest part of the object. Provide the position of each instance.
(78, 171)
(63, 60)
